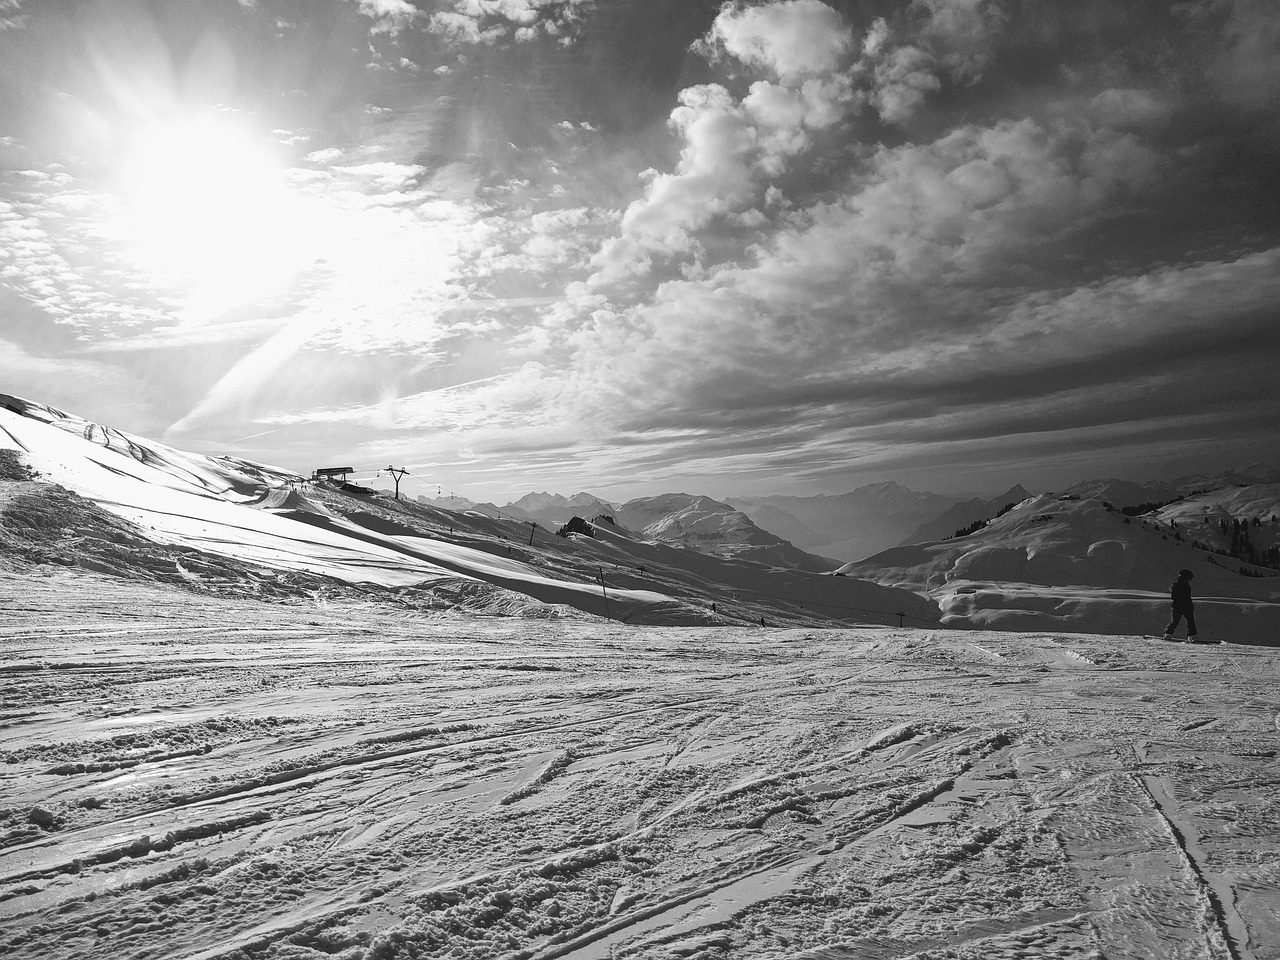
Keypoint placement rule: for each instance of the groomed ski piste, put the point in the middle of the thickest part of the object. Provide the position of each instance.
(256, 750)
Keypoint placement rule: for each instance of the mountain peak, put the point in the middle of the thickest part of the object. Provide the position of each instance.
(1017, 493)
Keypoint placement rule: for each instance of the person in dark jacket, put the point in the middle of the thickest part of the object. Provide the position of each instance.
(1180, 597)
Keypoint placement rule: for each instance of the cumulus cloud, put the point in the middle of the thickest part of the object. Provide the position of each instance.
(915, 274)
(793, 39)
(785, 117)
(731, 147)
(389, 16)
(714, 174)
(904, 77)
(459, 28)
(970, 201)
(959, 33)
(932, 39)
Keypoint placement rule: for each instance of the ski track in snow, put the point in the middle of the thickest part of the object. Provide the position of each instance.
(189, 776)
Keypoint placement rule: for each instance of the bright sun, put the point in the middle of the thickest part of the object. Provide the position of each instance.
(211, 215)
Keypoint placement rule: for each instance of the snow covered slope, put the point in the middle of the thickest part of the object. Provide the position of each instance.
(250, 512)
(1068, 564)
(197, 778)
(1129, 493)
(233, 512)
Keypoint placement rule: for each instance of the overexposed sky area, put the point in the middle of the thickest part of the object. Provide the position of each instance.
(633, 246)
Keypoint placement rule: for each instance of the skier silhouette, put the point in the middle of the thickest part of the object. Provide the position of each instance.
(1180, 597)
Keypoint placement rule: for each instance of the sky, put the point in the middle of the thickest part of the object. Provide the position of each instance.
(639, 246)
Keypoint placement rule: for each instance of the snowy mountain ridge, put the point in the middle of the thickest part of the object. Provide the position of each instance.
(1126, 493)
(709, 526)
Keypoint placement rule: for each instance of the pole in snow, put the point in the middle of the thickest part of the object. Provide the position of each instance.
(397, 473)
(533, 528)
(605, 594)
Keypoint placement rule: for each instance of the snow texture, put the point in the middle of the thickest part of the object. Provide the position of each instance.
(194, 776)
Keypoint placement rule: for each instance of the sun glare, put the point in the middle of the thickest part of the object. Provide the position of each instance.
(211, 215)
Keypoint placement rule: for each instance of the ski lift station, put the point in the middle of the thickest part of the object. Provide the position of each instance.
(332, 473)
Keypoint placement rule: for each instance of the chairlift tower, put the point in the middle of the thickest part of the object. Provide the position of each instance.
(397, 473)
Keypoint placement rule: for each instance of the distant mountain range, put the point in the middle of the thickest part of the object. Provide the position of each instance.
(845, 527)
(680, 519)
(550, 510)
(553, 508)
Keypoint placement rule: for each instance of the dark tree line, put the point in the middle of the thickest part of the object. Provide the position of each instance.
(979, 524)
(1241, 544)
(1138, 509)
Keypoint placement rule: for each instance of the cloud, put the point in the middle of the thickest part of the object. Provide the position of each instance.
(1141, 354)
(863, 309)
(47, 233)
(959, 33)
(904, 77)
(389, 16)
(474, 22)
(460, 28)
(714, 176)
(967, 225)
(966, 206)
(785, 117)
(190, 335)
(793, 39)
(907, 61)
(1248, 66)
(1130, 107)
(732, 148)
(10, 18)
